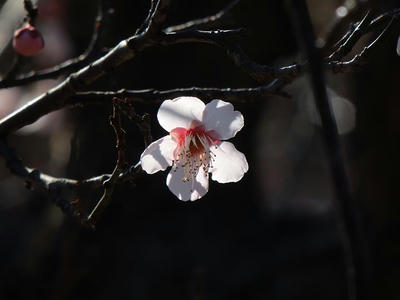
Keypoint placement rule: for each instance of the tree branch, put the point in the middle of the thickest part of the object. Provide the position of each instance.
(53, 186)
(151, 96)
(58, 96)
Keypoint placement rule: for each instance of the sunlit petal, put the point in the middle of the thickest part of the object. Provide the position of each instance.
(191, 190)
(229, 164)
(180, 112)
(158, 155)
(222, 118)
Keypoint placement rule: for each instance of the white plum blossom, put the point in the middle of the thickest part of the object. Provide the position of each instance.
(196, 146)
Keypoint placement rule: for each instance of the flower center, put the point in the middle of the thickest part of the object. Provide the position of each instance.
(193, 150)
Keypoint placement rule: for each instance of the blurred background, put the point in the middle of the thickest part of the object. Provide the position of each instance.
(273, 235)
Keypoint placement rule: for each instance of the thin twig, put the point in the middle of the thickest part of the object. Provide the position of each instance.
(150, 13)
(361, 58)
(120, 166)
(207, 21)
(383, 19)
(142, 121)
(368, 50)
(31, 10)
(337, 25)
(157, 20)
(376, 23)
(349, 43)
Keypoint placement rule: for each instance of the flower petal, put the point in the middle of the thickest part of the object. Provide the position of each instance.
(229, 164)
(158, 155)
(180, 112)
(191, 190)
(220, 117)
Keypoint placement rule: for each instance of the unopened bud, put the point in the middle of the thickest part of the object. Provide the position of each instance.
(28, 41)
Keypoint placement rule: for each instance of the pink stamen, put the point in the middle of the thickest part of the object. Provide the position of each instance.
(193, 149)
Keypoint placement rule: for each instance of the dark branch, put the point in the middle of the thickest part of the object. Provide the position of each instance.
(31, 10)
(244, 95)
(58, 96)
(53, 186)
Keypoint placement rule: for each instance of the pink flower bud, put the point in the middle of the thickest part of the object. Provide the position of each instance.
(28, 41)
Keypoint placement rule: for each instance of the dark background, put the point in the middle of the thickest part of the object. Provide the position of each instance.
(273, 235)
